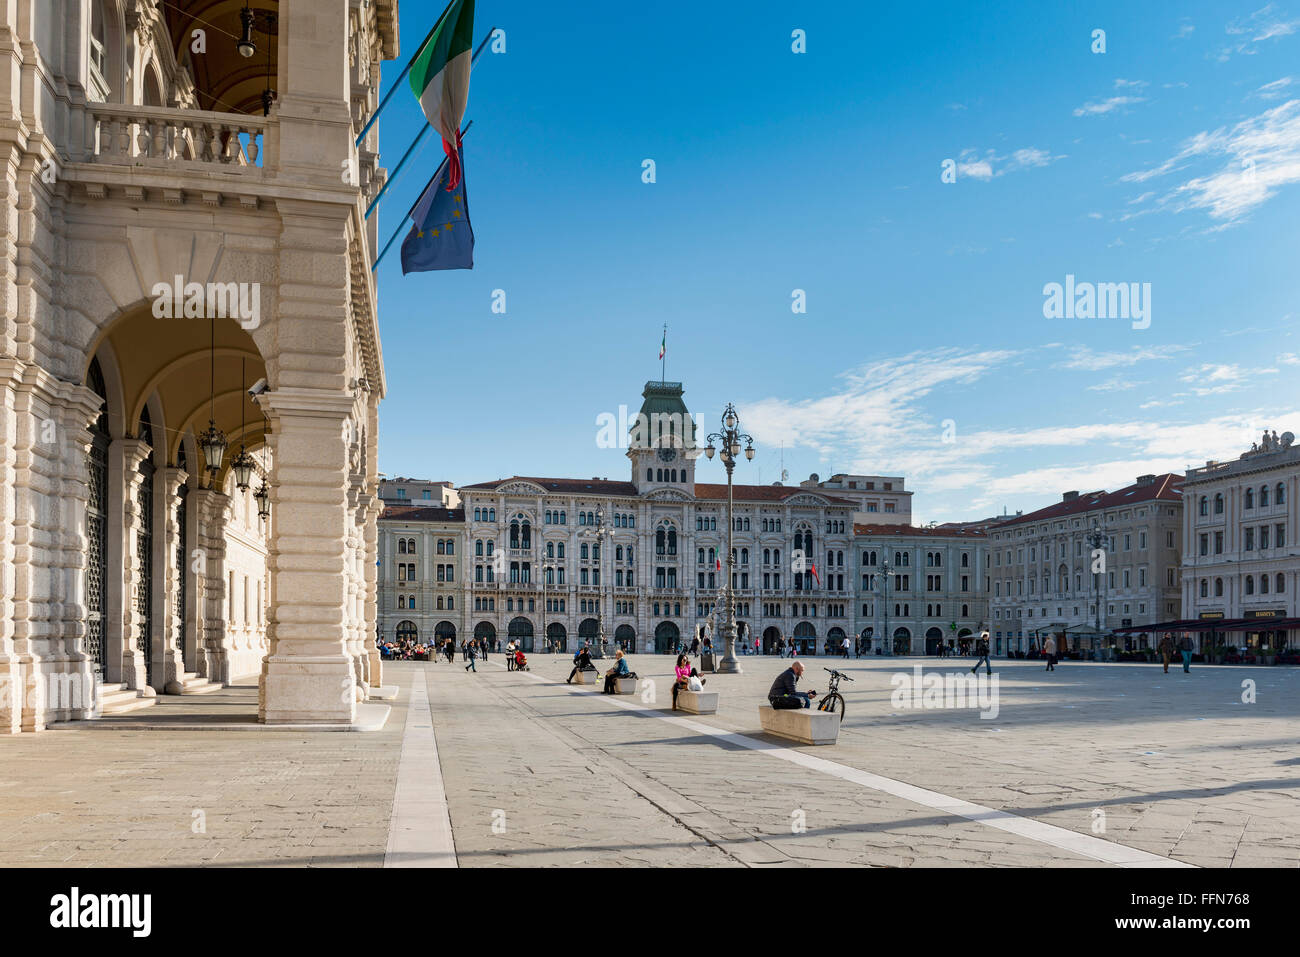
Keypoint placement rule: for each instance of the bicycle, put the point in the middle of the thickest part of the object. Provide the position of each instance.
(833, 696)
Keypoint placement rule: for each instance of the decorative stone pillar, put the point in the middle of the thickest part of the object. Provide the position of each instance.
(172, 672)
(308, 677)
(11, 684)
(122, 635)
(213, 509)
(77, 409)
(370, 617)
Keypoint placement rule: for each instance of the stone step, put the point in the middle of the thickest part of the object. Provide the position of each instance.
(191, 683)
(121, 700)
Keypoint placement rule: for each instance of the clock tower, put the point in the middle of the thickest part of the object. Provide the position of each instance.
(661, 441)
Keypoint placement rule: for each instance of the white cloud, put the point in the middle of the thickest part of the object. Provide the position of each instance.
(1087, 360)
(1114, 385)
(1274, 90)
(972, 165)
(1259, 156)
(1102, 107)
(1185, 30)
(877, 416)
(1219, 378)
(1264, 24)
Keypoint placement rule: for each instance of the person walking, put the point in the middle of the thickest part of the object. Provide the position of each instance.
(1049, 649)
(982, 649)
(1166, 649)
(510, 655)
(1185, 649)
(469, 656)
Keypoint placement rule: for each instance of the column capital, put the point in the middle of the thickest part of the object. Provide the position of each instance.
(174, 478)
(326, 403)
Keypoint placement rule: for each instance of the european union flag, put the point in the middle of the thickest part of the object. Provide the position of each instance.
(441, 237)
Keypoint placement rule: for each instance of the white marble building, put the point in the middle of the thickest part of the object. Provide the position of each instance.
(137, 159)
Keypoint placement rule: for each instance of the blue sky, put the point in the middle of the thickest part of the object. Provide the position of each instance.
(1173, 158)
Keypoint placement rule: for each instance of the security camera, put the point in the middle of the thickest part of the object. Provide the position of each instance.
(258, 387)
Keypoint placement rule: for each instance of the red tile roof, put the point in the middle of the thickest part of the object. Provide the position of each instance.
(1165, 488)
(886, 531)
(416, 513)
(762, 493)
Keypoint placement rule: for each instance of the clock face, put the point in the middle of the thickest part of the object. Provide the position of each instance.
(667, 455)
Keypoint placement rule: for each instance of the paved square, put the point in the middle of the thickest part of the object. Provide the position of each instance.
(1164, 769)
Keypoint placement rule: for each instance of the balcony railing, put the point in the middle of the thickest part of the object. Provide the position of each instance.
(161, 136)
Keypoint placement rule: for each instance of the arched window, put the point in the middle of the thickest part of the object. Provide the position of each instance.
(1218, 588)
(1218, 504)
(401, 546)
(1280, 497)
(649, 475)
(492, 515)
(1250, 584)
(672, 541)
(1205, 588)
(1205, 505)
(1263, 496)
(1250, 498)
(1281, 584)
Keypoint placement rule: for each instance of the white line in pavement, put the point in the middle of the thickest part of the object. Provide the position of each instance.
(419, 832)
(1063, 838)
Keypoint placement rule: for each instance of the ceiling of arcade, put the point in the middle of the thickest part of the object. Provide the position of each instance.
(225, 81)
(173, 359)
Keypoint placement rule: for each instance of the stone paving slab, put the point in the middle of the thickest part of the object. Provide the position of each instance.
(537, 773)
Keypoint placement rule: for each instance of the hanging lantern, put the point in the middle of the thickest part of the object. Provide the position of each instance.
(246, 46)
(213, 445)
(243, 467)
(263, 497)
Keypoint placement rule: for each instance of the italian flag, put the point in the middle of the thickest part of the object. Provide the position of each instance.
(440, 78)
(663, 346)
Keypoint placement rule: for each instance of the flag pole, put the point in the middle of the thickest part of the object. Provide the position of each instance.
(416, 142)
(663, 359)
(401, 76)
(398, 230)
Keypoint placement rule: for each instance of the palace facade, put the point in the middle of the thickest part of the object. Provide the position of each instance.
(189, 320)
(1240, 534)
(542, 560)
(1047, 575)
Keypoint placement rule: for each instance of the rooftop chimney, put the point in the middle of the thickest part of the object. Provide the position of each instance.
(1146, 480)
(1069, 496)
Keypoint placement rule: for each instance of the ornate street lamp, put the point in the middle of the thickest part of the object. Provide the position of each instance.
(243, 465)
(730, 438)
(601, 533)
(1097, 538)
(886, 640)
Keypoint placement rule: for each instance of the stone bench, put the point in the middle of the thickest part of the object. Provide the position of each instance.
(805, 725)
(626, 685)
(581, 678)
(697, 702)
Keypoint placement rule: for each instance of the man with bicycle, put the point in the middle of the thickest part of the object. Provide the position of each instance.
(783, 696)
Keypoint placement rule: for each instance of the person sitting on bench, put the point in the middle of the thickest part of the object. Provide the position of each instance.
(783, 695)
(581, 662)
(620, 670)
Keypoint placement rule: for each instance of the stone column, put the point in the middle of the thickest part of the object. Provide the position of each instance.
(77, 410)
(172, 672)
(11, 686)
(309, 676)
(123, 628)
(372, 507)
(212, 511)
